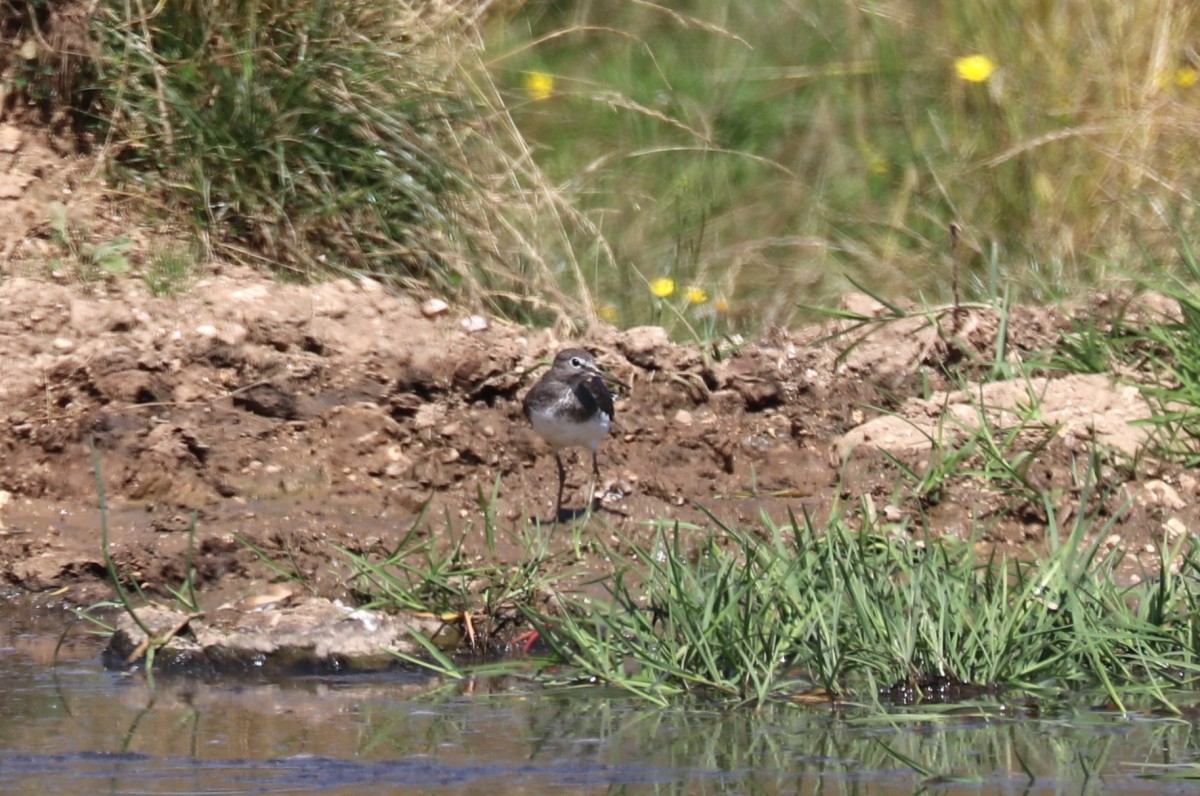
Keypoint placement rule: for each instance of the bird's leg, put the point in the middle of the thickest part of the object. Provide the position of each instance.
(595, 480)
(562, 479)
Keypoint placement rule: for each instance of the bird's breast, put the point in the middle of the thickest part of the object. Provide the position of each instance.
(561, 432)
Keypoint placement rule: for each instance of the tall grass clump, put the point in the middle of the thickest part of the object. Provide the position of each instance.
(297, 133)
(1152, 339)
(771, 153)
(1163, 350)
(314, 137)
(784, 610)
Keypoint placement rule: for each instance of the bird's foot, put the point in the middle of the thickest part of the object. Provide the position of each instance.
(563, 515)
(570, 515)
(524, 642)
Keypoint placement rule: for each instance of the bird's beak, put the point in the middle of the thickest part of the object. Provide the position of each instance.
(608, 377)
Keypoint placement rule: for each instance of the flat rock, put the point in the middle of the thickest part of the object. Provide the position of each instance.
(313, 636)
(1085, 407)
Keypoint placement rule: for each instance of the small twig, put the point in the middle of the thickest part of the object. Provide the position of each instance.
(46, 391)
(954, 261)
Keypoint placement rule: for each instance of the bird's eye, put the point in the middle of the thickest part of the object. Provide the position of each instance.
(576, 362)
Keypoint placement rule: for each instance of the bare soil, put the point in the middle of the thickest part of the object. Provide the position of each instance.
(303, 417)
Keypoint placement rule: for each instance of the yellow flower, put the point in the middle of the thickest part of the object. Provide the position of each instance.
(974, 68)
(1186, 76)
(539, 85)
(694, 295)
(607, 312)
(875, 161)
(663, 286)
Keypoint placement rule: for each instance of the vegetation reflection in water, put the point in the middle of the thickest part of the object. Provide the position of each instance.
(83, 724)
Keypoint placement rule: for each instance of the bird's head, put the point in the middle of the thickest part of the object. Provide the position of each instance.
(576, 365)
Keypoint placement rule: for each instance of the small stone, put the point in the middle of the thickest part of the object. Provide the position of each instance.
(474, 323)
(397, 468)
(1175, 527)
(63, 344)
(1160, 493)
(642, 345)
(893, 514)
(683, 418)
(233, 334)
(206, 330)
(11, 138)
(434, 307)
(1112, 540)
(369, 285)
(428, 415)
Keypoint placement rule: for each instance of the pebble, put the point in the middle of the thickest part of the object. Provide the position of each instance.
(474, 323)
(1175, 527)
(434, 307)
(11, 138)
(1160, 493)
(642, 344)
(64, 344)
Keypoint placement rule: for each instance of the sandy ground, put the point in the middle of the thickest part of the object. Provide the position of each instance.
(303, 417)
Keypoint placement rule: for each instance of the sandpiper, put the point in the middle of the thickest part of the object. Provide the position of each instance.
(571, 406)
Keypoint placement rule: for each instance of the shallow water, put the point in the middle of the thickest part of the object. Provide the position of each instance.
(76, 728)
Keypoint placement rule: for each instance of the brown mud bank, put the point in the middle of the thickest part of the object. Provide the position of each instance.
(299, 419)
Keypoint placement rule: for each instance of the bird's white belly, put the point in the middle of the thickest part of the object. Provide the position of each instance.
(560, 433)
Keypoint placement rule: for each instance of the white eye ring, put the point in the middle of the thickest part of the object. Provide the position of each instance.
(576, 362)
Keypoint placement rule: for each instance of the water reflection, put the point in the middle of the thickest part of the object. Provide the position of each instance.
(79, 729)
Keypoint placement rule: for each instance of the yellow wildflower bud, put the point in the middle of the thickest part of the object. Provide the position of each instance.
(974, 68)
(539, 85)
(663, 286)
